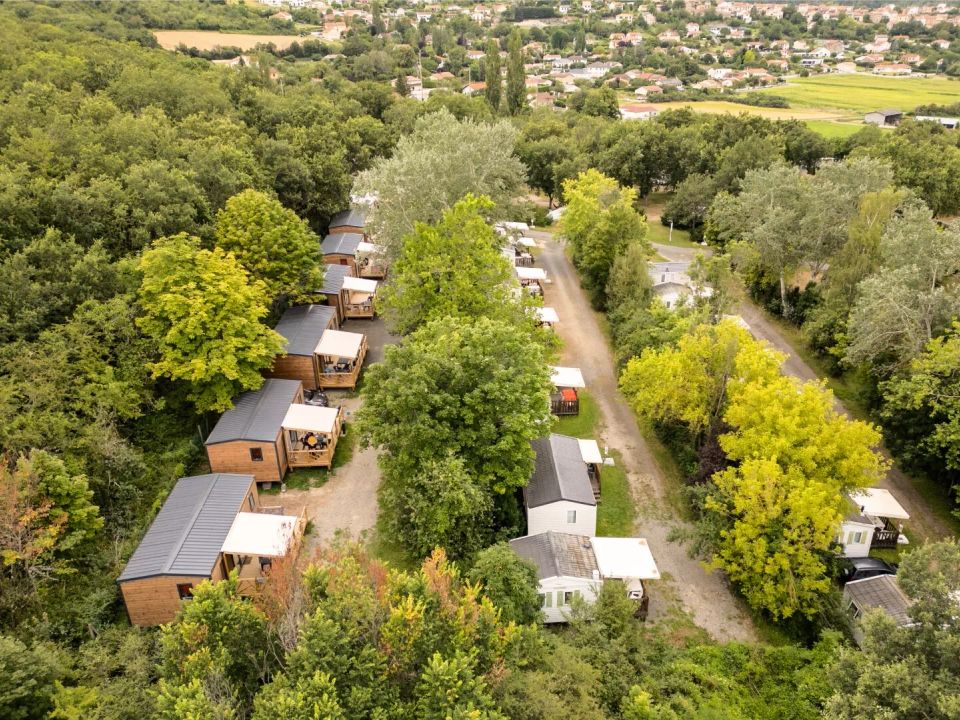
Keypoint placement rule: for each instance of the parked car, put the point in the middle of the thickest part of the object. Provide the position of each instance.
(862, 568)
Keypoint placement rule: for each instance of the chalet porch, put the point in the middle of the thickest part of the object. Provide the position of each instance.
(339, 356)
(565, 400)
(370, 261)
(357, 297)
(256, 541)
(882, 510)
(310, 435)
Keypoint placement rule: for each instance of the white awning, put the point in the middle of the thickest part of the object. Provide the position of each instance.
(368, 248)
(547, 315)
(590, 452)
(526, 242)
(624, 558)
(878, 502)
(260, 534)
(360, 284)
(522, 226)
(337, 343)
(310, 418)
(531, 273)
(567, 377)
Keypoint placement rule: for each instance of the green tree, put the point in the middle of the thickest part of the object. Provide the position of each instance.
(459, 157)
(451, 268)
(516, 77)
(600, 223)
(509, 581)
(478, 389)
(204, 313)
(491, 71)
(403, 90)
(918, 659)
(439, 505)
(309, 698)
(271, 243)
(28, 677)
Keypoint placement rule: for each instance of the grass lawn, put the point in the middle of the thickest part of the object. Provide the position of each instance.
(616, 511)
(583, 425)
(306, 478)
(859, 93)
(660, 233)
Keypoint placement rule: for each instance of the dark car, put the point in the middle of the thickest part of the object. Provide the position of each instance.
(862, 568)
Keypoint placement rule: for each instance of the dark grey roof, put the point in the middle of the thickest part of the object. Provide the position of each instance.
(882, 591)
(186, 536)
(256, 415)
(341, 244)
(333, 276)
(349, 218)
(559, 473)
(888, 112)
(302, 326)
(558, 554)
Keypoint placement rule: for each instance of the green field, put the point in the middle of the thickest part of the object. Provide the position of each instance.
(860, 93)
(832, 130)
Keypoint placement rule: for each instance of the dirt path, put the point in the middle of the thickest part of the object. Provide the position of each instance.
(705, 596)
(923, 521)
(348, 500)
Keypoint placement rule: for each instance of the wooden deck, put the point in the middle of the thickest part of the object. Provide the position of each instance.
(330, 377)
(358, 310)
(251, 577)
(559, 406)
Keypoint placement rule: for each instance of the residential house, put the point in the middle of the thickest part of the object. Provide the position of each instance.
(693, 29)
(880, 44)
(868, 59)
(892, 69)
(884, 118)
(846, 67)
(564, 400)
(209, 526)
(669, 36)
(870, 524)
(333, 30)
(474, 88)
(645, 91)
(565, 486)
(882, 592)
(573, 566)
(634, 111)
(302, 327)
(950, 123)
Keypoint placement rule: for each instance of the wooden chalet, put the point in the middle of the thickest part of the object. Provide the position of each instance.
(302, 327)
(364, 259)
(248, 438)
(349, 221)
(358, 295)
(332, 288)
(531, 279)
(209, 526)
(564, 400)
(310, 435)
(339, 356)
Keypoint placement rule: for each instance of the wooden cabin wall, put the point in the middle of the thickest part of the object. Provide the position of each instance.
(294, 367)
(154, 600)
(234, 457)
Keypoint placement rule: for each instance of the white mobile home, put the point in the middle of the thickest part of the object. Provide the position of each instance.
(573, 567)
(562, 493)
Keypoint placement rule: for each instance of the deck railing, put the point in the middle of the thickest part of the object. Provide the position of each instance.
(559, 406)
(883, 538)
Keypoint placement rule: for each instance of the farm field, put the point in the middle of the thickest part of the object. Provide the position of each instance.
(209, 40)
(720, 106)
(833, 129)
(859, 93)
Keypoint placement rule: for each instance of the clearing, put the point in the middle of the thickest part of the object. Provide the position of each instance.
(705, 596)
(210, 40)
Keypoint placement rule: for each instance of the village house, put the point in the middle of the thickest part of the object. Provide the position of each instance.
(669, 36)
(564, 489)
(645, 91)
(633, 111)
(474, 88)
(209, 526)
(564, 400)
(302, 327)
(892, 69)
(575, 566)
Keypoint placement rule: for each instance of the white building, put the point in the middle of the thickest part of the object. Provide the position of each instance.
(563, 491)
(870, 524)
(573, 566)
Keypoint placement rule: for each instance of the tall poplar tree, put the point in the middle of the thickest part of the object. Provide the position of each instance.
(516, 81)
(491, 66)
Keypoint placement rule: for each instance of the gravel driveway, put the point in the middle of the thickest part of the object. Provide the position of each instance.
(705, 596)
(348, 500)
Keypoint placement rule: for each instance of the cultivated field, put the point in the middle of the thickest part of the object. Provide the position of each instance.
(209, 40)
(860, 93)
(720, 106)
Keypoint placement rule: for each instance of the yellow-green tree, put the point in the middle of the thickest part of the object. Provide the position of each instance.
(205, 315)
(779, 507)
(600, 223)
(687, 383)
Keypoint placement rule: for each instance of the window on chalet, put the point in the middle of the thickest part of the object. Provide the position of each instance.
(256, 454)
(571, 517)
(185, 591)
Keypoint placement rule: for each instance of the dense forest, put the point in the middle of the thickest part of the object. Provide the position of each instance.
(127, 172)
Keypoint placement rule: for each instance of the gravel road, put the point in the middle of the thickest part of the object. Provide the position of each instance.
(706, 596)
